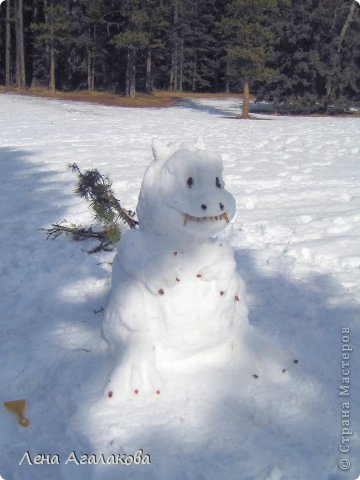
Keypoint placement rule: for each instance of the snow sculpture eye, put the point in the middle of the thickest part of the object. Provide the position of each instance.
(217, 182)
(190, 182)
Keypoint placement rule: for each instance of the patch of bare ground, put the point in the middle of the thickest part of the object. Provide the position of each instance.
(158, 99)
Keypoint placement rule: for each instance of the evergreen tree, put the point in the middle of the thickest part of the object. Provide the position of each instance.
(247, 36)
(343, 76)
(176, 43)
(315, 69)
(156, 25)
(87, 54)
(200, 53)
(193, 45)
(133, 38)
(52, 37)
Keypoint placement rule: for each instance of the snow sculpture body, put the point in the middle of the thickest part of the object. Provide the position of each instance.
(177, 302)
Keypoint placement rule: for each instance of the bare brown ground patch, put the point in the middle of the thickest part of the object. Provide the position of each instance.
(158, 99)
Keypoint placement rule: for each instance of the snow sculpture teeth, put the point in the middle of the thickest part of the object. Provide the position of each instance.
(192, 218)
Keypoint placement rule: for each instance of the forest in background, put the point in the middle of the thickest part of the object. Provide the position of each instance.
(304, 56)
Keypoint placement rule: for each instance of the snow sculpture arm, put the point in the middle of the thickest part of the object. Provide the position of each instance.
(142, 260)
(221, 268)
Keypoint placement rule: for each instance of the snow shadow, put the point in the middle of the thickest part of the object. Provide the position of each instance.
(307, 315)
(53, 355)
(296, 425)
(224, 107)
(211, 108)
(231, 428)
(49, 291)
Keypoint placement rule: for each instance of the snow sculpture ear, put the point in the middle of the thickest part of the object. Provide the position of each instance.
(160, 150)
(199, 143)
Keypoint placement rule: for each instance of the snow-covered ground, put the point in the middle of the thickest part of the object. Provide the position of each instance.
(296, 182)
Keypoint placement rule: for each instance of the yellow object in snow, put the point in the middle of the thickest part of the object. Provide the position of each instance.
(17, 407)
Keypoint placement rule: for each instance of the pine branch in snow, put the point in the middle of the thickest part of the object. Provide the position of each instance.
(96, 188)
(80, 233)
(108, 212)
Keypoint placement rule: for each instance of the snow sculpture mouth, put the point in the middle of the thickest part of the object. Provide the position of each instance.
(216, 218)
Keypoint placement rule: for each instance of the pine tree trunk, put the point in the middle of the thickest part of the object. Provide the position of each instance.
(93, 75)
(174, 71)
(148, 81)
(35, 13)
(8, 45)
(246, 99)
(227, 85)
(329, 82)
(21, 45)
(89, 70)
(131, 72)
(193, 83)
(47, 47)
(20, 55)
(227, 77)
(171, 78)
(127, 76)
(52, 84)
(346, 26)
(92, 86)
(17, 39)
(181, 66)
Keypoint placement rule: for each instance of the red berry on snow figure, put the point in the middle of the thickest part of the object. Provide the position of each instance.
(237, 299)
(136, 391)
(110, 394)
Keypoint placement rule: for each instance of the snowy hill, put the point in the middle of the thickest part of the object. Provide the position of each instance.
(296, 182)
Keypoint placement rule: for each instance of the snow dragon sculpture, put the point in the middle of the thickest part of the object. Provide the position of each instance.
(178, 303)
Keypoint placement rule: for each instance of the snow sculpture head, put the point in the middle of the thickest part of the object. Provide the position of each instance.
(182, 193)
